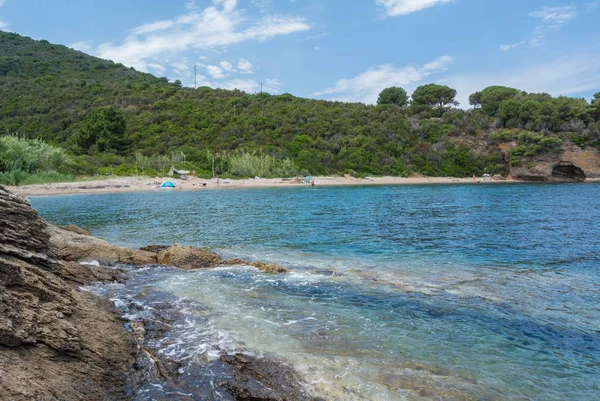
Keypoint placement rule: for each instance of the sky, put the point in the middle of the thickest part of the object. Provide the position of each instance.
(347, 50)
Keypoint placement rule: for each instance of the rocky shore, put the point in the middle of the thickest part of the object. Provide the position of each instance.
(58, 342)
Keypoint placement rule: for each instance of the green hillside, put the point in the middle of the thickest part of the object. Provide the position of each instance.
(112, 118)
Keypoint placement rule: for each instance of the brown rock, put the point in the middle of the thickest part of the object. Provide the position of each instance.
(187, 257)
(96, 370)
(569, 164)
(154, 248)
(56, 343)
(84, 274)
(72, 246)
(270, 268)
(22, 234)
(233, 262)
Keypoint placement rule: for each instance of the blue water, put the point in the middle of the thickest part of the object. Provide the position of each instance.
(399, 292)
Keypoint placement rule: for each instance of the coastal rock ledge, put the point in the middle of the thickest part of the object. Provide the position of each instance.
(58, 342)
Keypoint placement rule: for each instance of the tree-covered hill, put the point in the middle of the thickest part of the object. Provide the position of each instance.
(108, 115)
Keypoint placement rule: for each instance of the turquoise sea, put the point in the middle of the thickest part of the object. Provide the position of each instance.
(483, 292)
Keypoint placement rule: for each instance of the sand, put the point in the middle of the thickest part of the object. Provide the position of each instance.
(143, 184)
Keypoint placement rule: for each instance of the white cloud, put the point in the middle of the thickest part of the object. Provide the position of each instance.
(506, 48)
(555, 17)
(158, 68)
(271, 85)
(313, 37)
(227, 66)
(366, 87)
(403, 7)
(275, 25)
(551, 18)
(228, 5)
(216, 26)
(3, 25)
(215, 72)
(246, 85)
(83, 46)
(181, 68)
(566, 76)
(244, 66)
(593, 5)
(191, 5)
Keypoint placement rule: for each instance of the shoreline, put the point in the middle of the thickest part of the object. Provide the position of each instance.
(148, 184)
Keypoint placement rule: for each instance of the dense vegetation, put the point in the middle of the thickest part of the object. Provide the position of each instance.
(111, 118)
(31, 161)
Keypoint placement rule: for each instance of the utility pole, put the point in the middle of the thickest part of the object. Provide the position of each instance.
(261, 87)
(195, 69)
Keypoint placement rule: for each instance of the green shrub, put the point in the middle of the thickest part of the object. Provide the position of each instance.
(252, 165)
(30, 155)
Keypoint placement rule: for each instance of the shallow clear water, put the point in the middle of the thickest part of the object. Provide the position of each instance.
(405, 292)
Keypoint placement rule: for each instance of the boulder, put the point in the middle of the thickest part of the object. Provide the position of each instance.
(72, 246)
(188, 257)
(270, 268)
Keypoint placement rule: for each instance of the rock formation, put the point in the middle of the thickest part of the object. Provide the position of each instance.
(73, 244)
(56, 342)
(569, 164)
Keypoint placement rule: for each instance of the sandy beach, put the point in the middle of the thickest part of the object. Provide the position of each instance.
(142, 184)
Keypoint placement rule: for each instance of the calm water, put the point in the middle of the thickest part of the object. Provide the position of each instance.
(407, 292)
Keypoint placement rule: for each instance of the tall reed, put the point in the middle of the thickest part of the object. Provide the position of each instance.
(261, 165)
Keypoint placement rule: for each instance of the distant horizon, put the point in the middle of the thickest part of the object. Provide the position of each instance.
(325, 51)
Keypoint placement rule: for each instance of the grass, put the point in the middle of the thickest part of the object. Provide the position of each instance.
(18, 177)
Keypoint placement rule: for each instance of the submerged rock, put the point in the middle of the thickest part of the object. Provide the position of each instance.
(270, 268)
(76, 229)
(181, 376)
(260, 379)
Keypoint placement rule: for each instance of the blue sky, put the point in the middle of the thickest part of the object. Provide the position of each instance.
(333, 49)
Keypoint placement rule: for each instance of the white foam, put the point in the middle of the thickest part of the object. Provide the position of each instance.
(90, 263)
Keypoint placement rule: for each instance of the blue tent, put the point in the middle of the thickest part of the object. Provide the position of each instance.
(167, 184)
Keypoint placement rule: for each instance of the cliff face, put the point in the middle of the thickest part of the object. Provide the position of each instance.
(56, 342)
(569, 164)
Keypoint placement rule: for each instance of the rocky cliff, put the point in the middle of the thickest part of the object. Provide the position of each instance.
(570, 164)
(56, 342)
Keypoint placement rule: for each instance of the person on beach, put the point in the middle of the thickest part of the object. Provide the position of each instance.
(474, 179)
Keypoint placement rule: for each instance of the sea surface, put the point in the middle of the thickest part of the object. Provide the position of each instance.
(483, 292)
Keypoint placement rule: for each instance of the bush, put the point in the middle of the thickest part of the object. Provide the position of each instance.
(30, 155)
(253, 165)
